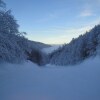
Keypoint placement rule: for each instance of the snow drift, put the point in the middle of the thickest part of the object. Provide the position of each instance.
(29, 82)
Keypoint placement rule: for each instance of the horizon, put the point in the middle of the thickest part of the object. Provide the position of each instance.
(55, 21)
(65, 41)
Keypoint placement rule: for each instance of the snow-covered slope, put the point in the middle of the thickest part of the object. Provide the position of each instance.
(78, 49)
(30, 82)
(14, 47)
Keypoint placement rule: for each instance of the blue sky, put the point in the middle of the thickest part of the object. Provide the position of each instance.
(55, 21)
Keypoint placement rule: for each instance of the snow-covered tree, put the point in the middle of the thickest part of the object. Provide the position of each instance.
(14, 47)
(7, 23)
(2, 4)
(78, 49)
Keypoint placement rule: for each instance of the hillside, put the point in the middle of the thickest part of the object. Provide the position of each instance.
(14, 47)
(78, 49)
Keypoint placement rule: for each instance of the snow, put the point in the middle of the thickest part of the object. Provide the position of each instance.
(83, 47)
(30, 82)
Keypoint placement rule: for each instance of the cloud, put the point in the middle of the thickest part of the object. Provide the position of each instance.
(60, 35)
(88, 10)
(67, 35)
(86, 13)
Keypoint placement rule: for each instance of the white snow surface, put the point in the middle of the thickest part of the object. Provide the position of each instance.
(30, 82)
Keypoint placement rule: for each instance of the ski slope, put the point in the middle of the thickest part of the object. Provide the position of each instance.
(30, 82)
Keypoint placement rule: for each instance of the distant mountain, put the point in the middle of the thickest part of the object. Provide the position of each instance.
(78, 49)
(38, 45)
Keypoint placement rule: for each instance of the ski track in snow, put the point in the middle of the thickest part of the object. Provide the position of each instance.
(29, 82)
